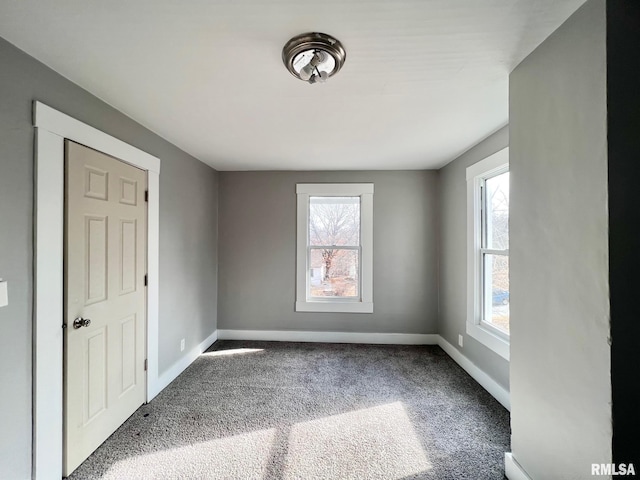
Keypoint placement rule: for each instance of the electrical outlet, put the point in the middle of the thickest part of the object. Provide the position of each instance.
(460, 340)
(182, 345)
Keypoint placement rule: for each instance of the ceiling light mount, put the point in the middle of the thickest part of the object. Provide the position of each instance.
(313, 57)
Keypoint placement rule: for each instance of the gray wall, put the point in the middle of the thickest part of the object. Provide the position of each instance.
(258, 252)
(188, 255)
(560, 356)
(453, 257)
(188, 235)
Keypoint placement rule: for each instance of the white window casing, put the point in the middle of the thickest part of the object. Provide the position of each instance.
(476, 327)
(364, 302)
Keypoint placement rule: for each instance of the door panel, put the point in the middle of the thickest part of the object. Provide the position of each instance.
(96, 262)
(128, 191)
(96, 183)
(128, 256)
(95, 389)
(127, 350)
(105, 255)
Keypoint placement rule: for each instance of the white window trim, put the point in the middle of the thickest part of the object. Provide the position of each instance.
(51, 128)
(488, 336)
(365, 192)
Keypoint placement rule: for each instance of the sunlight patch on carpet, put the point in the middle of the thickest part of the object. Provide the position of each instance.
(372, 443)
(241, 456)
(233, 351)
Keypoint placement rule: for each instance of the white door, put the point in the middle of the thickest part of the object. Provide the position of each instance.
(105, 298)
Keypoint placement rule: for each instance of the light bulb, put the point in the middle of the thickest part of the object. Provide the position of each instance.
(320, 77)
(307, 71)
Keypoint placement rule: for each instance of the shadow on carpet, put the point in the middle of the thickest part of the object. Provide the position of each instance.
(271, 410)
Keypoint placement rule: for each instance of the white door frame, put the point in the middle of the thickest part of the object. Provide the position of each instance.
(52, 128)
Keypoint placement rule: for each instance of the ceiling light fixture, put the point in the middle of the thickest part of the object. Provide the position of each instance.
(313, 57)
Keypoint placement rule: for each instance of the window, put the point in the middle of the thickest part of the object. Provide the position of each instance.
(335, 248)
(488, 252)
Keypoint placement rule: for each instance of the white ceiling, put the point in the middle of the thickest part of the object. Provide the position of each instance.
(424, 80)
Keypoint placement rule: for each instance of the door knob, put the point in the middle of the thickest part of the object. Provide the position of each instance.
(81, 322)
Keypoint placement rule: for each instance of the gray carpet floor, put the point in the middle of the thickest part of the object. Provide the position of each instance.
(271, 410)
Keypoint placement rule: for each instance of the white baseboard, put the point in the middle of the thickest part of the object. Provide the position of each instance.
(513, 470)
(489, 384)
(329, 337)
(180, 366)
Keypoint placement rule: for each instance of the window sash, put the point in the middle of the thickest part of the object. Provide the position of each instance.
(357, 298)
(495, 330)
(484, 208)
(483, 285)
(486, 292)
(493, 251)
(327, 199)
(334, 247)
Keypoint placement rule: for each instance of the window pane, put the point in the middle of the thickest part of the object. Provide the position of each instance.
(333, 272)
(497, 217)
(496, 294)
(334, 221)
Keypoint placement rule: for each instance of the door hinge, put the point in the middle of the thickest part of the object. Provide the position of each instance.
(146, 195)
(146, 364)
(146, 280)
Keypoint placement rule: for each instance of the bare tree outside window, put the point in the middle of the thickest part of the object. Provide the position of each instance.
(334, 246)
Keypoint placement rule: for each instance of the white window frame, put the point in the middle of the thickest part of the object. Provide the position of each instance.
(477, 173)
(363, 304)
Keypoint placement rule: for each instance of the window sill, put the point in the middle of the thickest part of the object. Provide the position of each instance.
(335, 307)
(488, 339)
